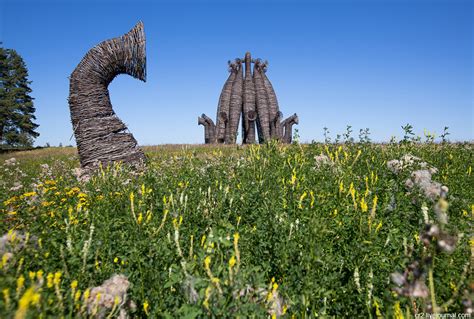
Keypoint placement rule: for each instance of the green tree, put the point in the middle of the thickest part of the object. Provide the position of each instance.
(17, 127)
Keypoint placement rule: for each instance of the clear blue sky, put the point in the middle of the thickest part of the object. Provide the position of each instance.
(376, 64)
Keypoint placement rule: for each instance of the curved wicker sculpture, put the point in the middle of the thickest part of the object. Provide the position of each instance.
(255, 100)
(209, 128)
(263, 122)
(287, 124)
(273, 107)
(249, 115)
(100, 135)
(223, 107)
(235, 104)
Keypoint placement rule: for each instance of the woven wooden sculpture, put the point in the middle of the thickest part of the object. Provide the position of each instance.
(235, 104)
(263, 122)
(209, 129)
(223, 108)
(254, 98)
(287, 125)
(249, 115)
(101, 136)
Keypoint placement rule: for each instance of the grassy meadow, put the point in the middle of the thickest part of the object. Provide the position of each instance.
(277, 231)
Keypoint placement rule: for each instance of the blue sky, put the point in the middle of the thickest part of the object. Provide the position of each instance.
(376, 64)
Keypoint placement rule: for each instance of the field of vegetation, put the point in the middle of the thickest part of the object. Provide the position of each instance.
(298, 231)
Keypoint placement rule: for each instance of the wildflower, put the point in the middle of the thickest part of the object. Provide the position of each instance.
(57, 278)
(207, 262)
(236, 247)
(74, 284)
(149, 215)
(86, 294)
(363, 205)
(5, 258)
(232, 262)
(341, 187)
(207, 296)
(378, 227)
(20, 283)
(49, 279)
(32, 275)
(116, 260)
(28, 297)
(6, 296)
(302, 197)
(39, 275)
(398, 311)
(311, 193)
(145, 307)
(77, 295)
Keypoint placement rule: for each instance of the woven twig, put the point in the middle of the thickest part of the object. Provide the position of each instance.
(249, 111)
(209, 128)
(235, 105)
(273, 107)
(287, 125)
(101, 136)
(222, 118)
(255, 100)
(263, 122)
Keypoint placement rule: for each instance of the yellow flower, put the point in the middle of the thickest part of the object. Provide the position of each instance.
(24, 303)
(275, 286)
(363, 205)
(32, 275)
(207, 261)
(36, 299)
(87, 294)
(20, 283)
(49, 279)
(57, 278)
(207, 296)
(30, 194)
(5, 258)
(6, 296)
(378, 227)
(145, 307)
(116, 260)
(74, 284)
(236, 238)
(39, 274)
(398, 314)
(302, 197)
(77, 295)
(140, 218)
(232, 262)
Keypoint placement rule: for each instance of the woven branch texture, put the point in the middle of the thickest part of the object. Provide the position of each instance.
(101, 136)
(253, 99)
(249, 112)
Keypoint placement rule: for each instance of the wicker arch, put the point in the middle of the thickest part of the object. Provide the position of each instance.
(101, 136)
